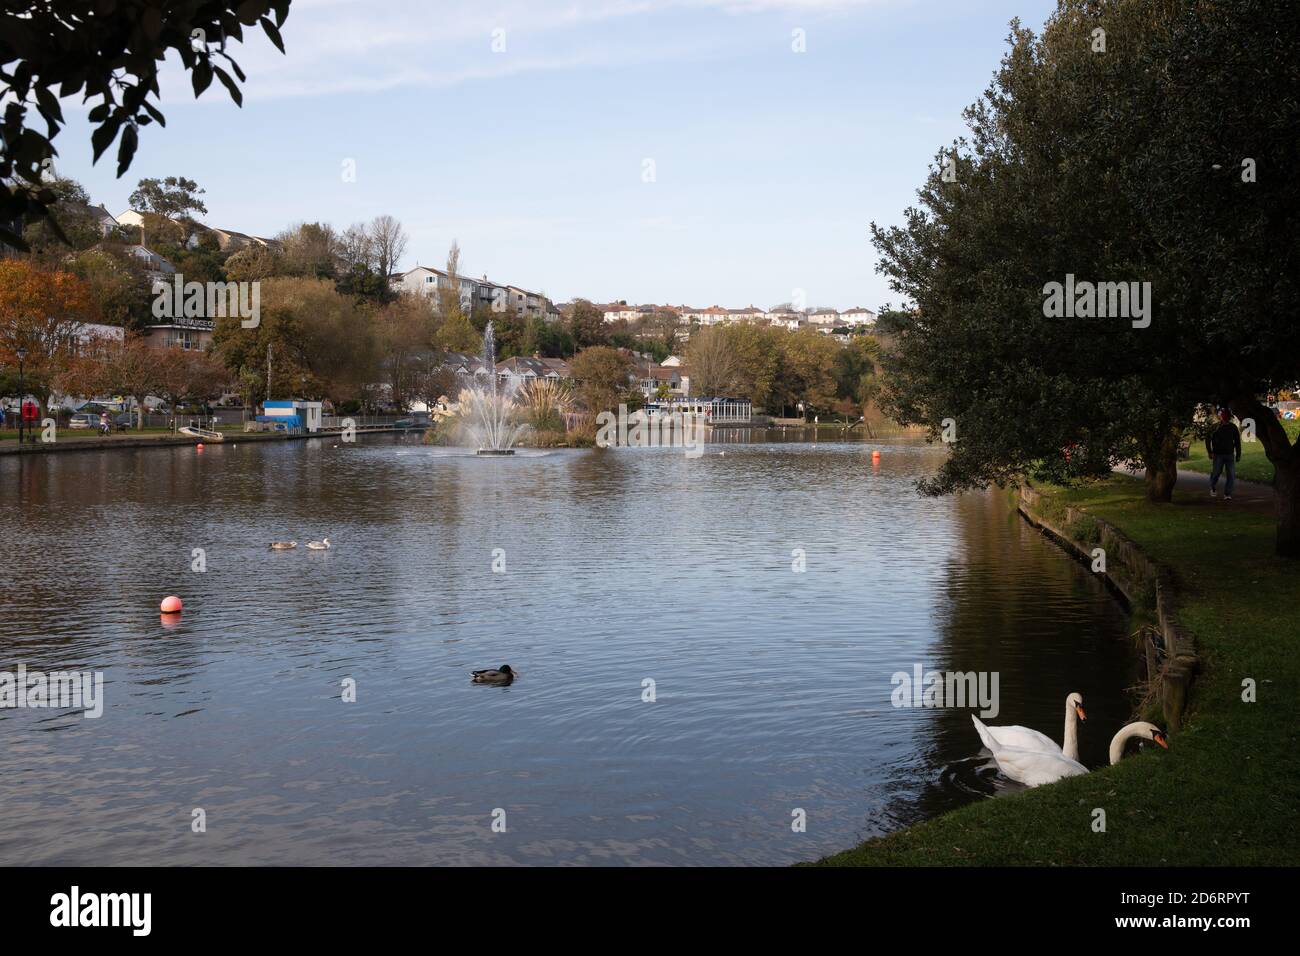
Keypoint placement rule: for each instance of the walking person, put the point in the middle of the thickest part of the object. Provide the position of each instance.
(1223, 445)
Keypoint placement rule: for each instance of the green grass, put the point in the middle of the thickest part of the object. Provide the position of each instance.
(1254, 465)
(1227, 792)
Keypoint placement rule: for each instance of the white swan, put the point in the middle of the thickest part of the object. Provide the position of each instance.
(1140, 729)
(322, 545)
(1026, 738)
(1034, 768)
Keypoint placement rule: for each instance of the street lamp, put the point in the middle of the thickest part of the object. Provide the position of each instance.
(22, 392)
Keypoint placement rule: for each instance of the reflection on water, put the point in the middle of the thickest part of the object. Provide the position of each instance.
(773, 687)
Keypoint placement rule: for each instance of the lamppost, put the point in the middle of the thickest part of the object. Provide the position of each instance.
(22, 392)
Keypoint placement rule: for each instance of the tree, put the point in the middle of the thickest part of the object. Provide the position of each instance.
(600, 376)
(172, 198)
(857, 372)
(405, 337)
(388, 241)
(321, 343)
(432, 380)
(118, 285)
(359, 273)
(188, 374)
(456, 334)
(810, 360)
(128, 366)
(45, 313)
(71, 224)
(60, 48)
(253, 263)
(1056, 181)
(587, 325)
(449, 301)
(1217, 134)
(311, 249)
(713, 365)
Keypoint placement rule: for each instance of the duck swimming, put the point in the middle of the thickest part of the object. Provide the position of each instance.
(322, 545)
(283, 545)
(493, 675)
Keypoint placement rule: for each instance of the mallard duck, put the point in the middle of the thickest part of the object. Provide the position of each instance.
(321, 545)
(493, 675)
(283, 545)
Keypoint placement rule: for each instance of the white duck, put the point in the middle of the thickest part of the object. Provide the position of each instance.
(1034, 768)
(1026, 738)
(322, 545)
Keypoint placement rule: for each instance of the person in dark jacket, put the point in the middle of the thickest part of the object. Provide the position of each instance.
(1223, 445)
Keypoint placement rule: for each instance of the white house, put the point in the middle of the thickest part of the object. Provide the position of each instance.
(858, 316)
(784, 318)
(428, 281)
(624, 313)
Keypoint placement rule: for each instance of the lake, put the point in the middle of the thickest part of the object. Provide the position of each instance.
(771, 687)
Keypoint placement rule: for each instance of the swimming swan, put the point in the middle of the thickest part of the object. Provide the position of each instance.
(1034, 768)
(1027, 739)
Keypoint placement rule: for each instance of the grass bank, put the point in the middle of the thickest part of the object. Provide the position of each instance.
(1227, 792)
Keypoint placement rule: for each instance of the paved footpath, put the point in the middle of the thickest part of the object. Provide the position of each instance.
(1248, 494)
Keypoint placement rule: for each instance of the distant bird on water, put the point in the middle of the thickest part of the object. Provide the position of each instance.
(493, 675)
(283, 545)
(322, 545)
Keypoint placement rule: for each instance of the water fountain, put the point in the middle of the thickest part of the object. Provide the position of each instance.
(488, 413)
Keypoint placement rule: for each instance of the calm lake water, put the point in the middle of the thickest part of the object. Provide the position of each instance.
(773, 687)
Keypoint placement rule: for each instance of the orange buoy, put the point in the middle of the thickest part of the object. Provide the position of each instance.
(170, 605)
(875, 456)
(199, 447)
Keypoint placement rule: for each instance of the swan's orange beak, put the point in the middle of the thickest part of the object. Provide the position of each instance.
(1078, 709)
(1159, 738)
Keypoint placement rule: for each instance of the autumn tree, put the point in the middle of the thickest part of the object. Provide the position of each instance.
(252, 264)
(311, 250)
(45, 313)
(405, 333)
(128, 366)
(713, 364)
(188, 375)
(600, 376)
(810, 360)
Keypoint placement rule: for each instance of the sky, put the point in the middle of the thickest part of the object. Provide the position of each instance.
(667, 151)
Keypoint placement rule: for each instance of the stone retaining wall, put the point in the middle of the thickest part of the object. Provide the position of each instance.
(1170, 652)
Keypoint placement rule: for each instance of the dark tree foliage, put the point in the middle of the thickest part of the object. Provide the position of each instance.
(1122, 165)
(109, 52)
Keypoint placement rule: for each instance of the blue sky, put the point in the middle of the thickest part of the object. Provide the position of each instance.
(768, 164)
